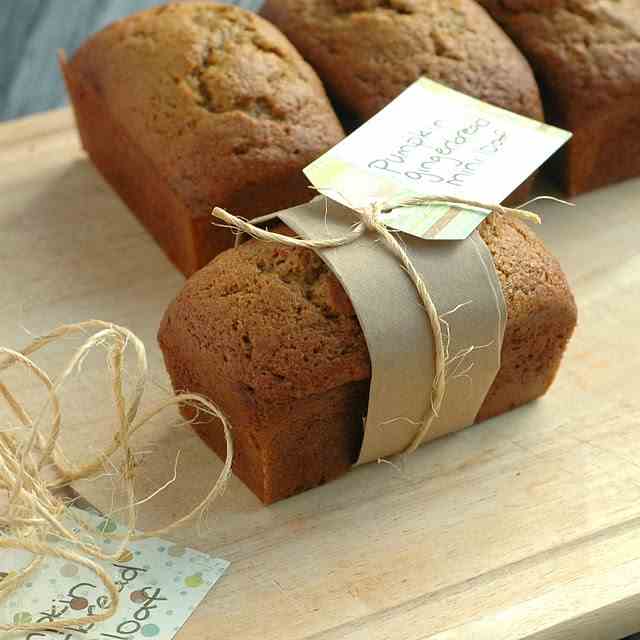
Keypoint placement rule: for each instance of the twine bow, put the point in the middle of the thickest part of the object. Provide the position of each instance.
(369, 219)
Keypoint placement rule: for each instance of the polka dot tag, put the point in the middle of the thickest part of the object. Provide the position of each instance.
(77, 604)
(194, 581)
(22, 617)
(138, 596)
(150, 630)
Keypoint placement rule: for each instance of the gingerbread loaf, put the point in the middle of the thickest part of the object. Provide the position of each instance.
(368, 51)
(268, 333)
(192, 105)
(586, 54)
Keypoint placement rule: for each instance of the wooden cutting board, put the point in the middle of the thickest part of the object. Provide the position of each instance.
(527, 526)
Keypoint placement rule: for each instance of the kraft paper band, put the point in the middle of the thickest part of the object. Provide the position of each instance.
(464, 285)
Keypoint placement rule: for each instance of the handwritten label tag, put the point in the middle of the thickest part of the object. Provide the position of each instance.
(433, 140)
(160, 585)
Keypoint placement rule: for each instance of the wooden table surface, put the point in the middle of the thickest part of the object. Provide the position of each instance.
(527, 526)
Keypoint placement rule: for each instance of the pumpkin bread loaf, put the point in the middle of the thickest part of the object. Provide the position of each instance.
(268, 333)
(188, 106)
(586, 54)
(368, 51)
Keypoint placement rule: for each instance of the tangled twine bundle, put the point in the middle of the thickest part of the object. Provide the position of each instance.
(36, 518)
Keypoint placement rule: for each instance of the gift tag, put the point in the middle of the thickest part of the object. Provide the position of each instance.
(432, 140)
(160, 584)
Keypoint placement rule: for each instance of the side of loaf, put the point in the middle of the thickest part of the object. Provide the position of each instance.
(192, 105)
(586, 54)
(268, 332)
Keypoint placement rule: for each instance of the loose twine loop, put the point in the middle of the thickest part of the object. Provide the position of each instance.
(34, 519)
(369, 219)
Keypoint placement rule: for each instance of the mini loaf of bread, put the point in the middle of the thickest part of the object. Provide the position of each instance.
(586, 54)
(368, 51)
(268, 333)
(192, 105)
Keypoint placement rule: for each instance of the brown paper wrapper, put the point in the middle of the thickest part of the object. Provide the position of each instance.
(464, 286)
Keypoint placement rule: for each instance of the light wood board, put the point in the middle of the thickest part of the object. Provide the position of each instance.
(527, 526)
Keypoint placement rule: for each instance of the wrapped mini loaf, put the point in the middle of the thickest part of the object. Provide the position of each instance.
(192, 104)
(268, 333)
(586, 54)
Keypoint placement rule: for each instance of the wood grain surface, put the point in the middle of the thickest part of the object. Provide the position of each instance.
(527, 526)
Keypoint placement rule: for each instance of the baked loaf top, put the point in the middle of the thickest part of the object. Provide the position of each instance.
(585, 52)
(368, 51)
(210, 91)
(288, 330)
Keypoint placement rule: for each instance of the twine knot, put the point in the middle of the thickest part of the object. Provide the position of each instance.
(370, 215)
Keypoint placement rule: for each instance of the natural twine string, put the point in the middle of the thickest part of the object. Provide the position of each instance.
(369, 219)
(34, 519)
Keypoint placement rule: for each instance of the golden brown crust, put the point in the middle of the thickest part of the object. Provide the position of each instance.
(368, 51)
(268, 332)
(541, 312)
(214, 99)
(586, 54)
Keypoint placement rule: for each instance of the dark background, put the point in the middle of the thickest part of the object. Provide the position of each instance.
(31, 32)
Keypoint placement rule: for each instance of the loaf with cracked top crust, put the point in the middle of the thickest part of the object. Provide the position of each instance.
(368, 51)
(268, 333)
(586, 54)
(192, 105)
